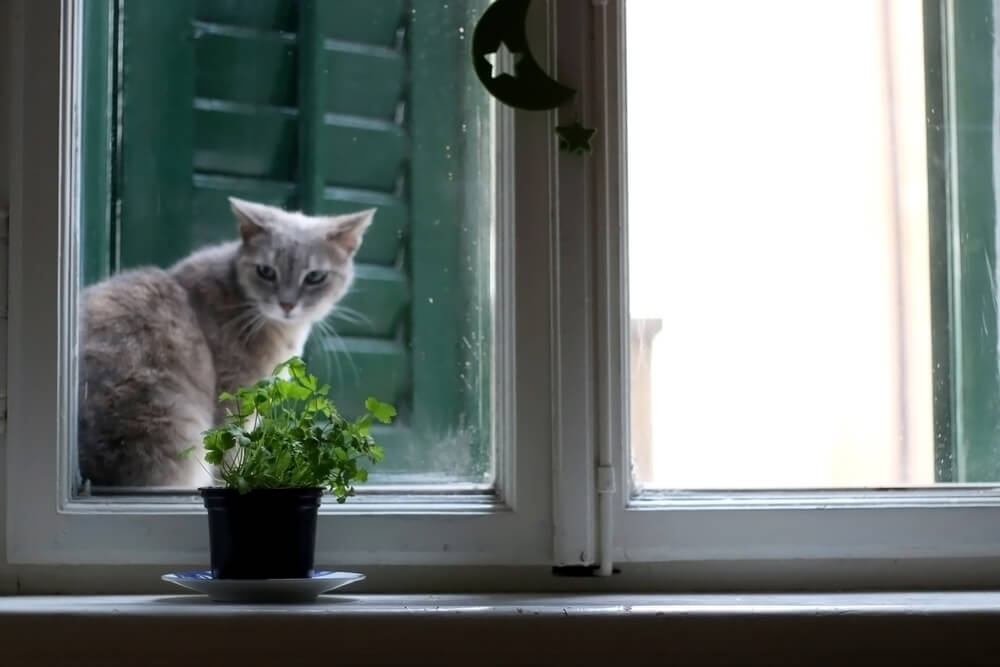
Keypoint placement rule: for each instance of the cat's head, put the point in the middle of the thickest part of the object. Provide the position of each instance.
(296, 267)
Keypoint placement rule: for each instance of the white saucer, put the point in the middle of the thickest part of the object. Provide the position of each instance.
(262, 590)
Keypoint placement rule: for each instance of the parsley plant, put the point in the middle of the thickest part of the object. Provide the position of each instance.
(286, 433)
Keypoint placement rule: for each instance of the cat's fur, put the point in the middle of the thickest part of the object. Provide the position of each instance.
(158, 346)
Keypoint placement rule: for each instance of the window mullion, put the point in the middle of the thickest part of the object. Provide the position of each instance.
(575, 370)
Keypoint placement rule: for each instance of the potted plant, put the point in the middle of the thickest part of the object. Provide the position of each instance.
(283, 444)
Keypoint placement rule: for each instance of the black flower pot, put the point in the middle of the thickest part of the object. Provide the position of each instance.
(262, 534)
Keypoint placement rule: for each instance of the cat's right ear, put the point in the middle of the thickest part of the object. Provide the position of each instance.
(251, 217)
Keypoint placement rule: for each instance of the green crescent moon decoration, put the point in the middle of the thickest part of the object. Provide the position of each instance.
(504, 64)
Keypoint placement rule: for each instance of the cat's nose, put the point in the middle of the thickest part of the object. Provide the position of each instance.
(287, 307)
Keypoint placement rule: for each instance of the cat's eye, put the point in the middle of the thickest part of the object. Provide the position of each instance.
(315, 277)
(267, 272)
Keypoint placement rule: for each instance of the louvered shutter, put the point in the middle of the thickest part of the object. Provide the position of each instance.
(327, 106)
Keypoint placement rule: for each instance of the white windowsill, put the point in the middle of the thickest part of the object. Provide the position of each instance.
(514, 604)
(912, 628)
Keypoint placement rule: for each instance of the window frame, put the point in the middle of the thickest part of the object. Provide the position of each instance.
(567, 497)
(45, 524)
(818, 538)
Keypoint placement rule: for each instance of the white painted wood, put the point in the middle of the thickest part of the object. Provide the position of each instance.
(572, 284)
(500, 605)
(611, 301)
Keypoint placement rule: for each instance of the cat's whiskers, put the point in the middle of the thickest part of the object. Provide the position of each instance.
(243, 322)
(238, 320)
(327, 328)
(247, 324)
(323, 328)
(255, 326)
(353, 316)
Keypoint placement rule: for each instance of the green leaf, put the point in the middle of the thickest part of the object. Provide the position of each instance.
(382, 411)
(297, 438)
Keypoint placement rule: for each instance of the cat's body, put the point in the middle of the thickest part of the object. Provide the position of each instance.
(157, 347)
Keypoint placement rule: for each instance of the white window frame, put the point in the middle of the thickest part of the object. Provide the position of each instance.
(820, 539)
(564, 489)
(45, 524)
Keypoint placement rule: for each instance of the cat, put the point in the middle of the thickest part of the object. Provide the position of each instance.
(158, 346)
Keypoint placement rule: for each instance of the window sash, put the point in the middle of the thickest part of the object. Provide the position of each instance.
(811, 538)
(570, 357)
(45, 524)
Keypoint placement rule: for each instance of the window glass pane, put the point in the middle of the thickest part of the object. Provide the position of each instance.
(329, 108)
(811, 243)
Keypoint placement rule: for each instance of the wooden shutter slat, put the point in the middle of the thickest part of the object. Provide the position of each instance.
(245, 140)
(365, 153)
(381, 294)
(368, 22)
(266, 14)
(357, 368)
(241, 68)
(365, 82)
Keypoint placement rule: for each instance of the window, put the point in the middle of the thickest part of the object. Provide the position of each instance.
(811, 351)
(328, 108)
(427, 180)
(810, 274)
(567, 412)
(813, 272)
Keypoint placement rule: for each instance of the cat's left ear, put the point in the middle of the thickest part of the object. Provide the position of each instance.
(346, 230)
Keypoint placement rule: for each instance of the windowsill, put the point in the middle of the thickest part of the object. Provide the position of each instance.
(912, 628)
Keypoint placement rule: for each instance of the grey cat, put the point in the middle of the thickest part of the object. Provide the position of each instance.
(157, 347)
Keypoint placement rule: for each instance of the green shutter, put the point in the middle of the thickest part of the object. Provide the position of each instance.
(959, 45)
(327, 107)
(97, 116)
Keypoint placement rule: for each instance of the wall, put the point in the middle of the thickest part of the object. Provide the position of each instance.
(5, 99)
(6, 104)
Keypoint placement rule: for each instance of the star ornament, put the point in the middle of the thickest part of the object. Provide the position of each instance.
(575, 138)
(503, 61)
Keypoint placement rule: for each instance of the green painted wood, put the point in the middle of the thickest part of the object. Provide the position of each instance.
(963, 240)
(364, 80)
(244, 140)
(375, 304)
(360, 367)
(368, 153)
(313, 156)
(262, 142)
(98, 62)
(242, 65)
(377, 22)
(261, 14)
(157, 131)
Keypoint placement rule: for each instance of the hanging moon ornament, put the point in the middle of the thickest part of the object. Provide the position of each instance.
(504, 64)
